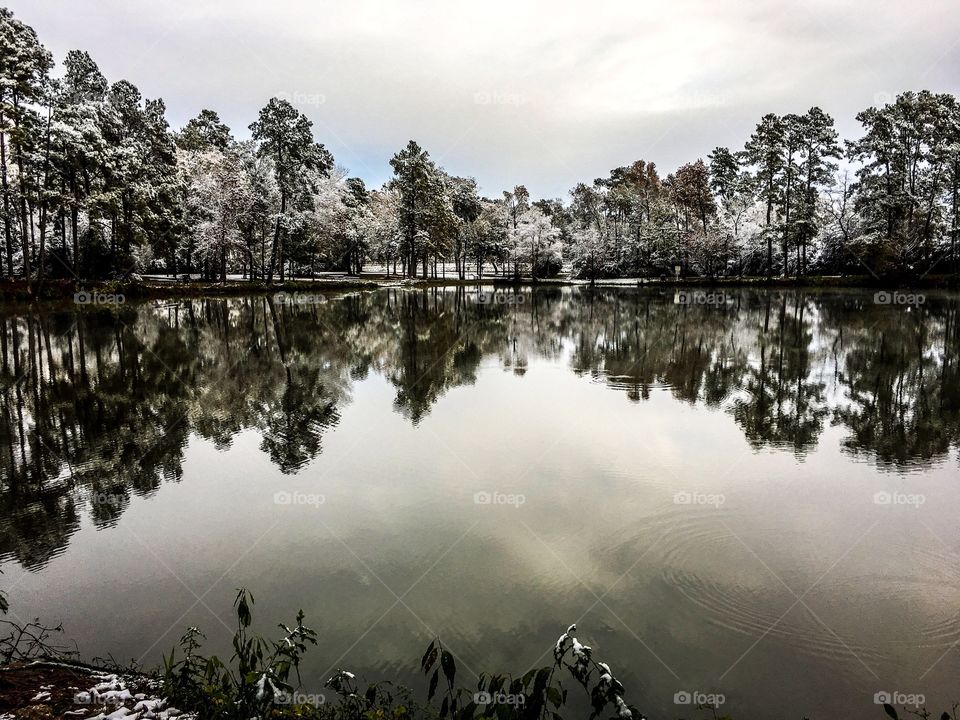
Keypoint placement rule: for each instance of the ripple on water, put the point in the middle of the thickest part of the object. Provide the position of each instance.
(699, 561)
(629, 385)
(926, 586)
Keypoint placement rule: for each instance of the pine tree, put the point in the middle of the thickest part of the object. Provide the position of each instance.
(285, 136)
(819, 144)
(79, 143)
(764, 151)
(205, 132)
(24, 76)
(415, 179)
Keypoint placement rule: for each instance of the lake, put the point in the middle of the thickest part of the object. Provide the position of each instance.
(750, 493)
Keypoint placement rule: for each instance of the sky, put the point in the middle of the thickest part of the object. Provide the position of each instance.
(545, 94)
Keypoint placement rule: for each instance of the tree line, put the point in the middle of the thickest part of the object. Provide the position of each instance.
(95, 184)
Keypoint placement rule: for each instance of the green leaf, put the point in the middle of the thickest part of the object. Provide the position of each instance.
(242, 603)
(891, 711)
(433, 685)
(428, 657)
(449, 666)
(540, 681)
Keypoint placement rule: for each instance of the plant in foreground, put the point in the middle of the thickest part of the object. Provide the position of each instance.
(536, 694)
(257, 679)
(262, 678)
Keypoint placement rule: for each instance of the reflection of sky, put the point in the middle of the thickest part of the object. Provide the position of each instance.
(685, 590)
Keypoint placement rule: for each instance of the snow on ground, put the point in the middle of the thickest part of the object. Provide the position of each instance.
(72, 692)
(111, 699)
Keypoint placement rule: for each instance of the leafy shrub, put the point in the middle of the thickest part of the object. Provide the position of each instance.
(256, 680)
(262, 676)
(536, 694)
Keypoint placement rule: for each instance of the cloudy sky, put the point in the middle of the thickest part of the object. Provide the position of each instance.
(541, 93)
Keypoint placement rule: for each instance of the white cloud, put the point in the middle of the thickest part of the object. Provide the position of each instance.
(566, 90)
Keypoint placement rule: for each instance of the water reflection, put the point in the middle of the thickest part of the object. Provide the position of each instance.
(99, 405)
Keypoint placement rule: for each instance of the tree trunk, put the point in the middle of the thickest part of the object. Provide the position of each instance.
(786, 219)
(953, 224)
(43, 200)
(24, 227)
(7, 235)
(74, 224)
(277, 241)
(769, 236)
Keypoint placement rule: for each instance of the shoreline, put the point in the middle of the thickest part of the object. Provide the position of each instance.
(48, 688)
(19, 292)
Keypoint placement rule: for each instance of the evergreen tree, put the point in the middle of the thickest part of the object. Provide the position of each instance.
(285, 136)
(415, 178)
(764, 151)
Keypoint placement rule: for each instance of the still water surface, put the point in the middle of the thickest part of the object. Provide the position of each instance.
(756, 497)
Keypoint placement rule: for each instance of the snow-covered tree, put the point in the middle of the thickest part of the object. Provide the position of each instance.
(586, 251)
(220, 194)
(94, 183)
(538, 243)
(285, 136)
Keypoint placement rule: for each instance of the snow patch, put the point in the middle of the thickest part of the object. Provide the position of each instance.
(111, 699)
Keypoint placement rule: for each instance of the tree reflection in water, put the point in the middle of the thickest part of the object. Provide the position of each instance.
(98, 405)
